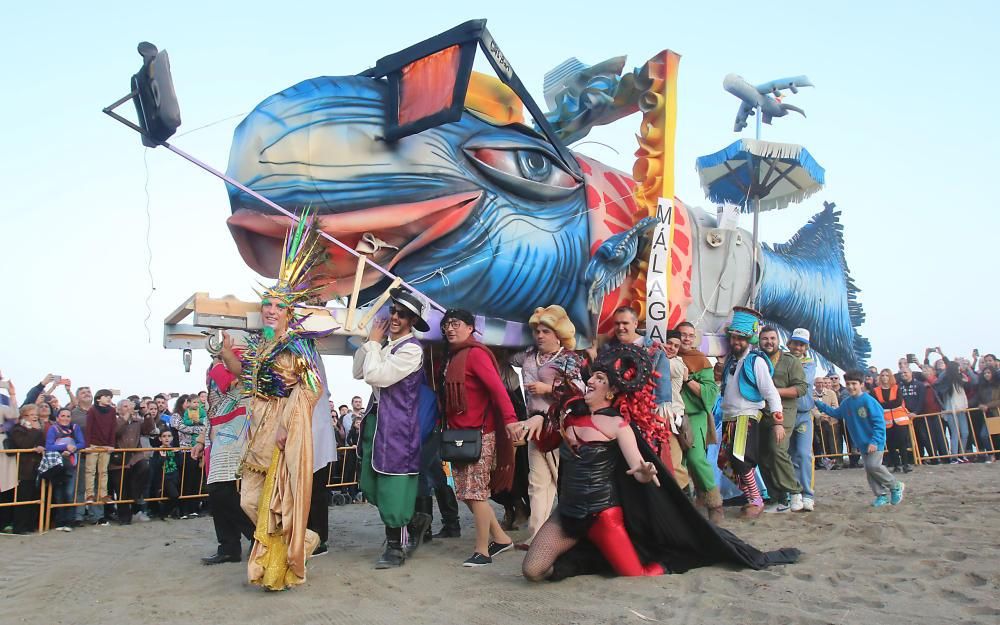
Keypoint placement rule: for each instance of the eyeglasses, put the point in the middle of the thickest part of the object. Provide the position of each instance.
(399, 312)
(453, 324)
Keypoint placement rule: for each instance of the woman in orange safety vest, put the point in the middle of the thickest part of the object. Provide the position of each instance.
(897, 421)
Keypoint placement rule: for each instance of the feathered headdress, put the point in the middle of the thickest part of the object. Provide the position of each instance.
(302, 253)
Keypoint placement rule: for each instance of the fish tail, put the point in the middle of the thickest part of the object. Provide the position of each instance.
(806, 284)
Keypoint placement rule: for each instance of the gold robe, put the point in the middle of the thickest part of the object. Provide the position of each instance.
(277, 483)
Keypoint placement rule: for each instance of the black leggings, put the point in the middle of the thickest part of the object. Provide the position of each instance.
(26, 517)
(897, 439)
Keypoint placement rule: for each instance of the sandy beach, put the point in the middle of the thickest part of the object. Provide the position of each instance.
(934, 559)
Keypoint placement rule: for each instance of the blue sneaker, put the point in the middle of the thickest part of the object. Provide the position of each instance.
(881, 500)
(897, 493)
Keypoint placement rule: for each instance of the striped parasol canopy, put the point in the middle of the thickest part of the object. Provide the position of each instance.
(761, 175)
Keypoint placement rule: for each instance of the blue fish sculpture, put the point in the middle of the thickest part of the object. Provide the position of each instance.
(479, 214)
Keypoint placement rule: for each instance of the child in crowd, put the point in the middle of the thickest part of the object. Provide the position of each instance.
(102, 423)
(864, 419)
(166, 472)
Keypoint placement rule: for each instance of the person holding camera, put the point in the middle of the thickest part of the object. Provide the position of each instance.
(8, 462)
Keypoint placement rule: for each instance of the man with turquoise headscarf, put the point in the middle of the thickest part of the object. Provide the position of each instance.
(746, 389)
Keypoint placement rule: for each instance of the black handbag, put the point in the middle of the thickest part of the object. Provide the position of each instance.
(461, 446)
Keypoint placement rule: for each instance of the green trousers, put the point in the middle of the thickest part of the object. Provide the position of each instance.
(696, 459)
(394, 495)
(775, 464)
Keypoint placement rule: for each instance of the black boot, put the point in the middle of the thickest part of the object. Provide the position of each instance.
(448, 506)
(393, 556)
(424, 505)
(419, 525)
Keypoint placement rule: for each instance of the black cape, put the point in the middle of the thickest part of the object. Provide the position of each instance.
(665, 527)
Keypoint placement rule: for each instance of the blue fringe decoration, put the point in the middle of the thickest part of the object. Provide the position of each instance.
(806, 284)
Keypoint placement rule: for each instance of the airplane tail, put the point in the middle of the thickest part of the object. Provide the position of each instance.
(806, 284)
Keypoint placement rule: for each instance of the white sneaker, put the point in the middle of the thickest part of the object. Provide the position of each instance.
(808, 504)
(141, 517)
(797, 502)
(64, 528)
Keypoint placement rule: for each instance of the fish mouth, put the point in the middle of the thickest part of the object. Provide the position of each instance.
(408, 227)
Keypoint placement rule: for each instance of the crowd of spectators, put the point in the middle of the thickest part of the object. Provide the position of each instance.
(71, 444)
(945, 402)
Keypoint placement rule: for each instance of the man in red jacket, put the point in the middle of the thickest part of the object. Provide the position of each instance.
(476, 399)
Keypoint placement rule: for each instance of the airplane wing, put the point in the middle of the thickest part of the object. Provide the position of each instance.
(792, 83)
(741, 116)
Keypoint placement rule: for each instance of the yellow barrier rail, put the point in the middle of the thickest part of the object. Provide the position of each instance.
(345, 456)
(40, 501)
(341, 474)
(982, 447)
(122, 476)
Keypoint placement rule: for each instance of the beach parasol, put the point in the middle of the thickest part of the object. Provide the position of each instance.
(759, 176)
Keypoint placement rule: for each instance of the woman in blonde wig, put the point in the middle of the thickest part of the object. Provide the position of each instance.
(550, 363)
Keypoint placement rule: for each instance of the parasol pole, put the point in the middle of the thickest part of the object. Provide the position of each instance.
(756, 213)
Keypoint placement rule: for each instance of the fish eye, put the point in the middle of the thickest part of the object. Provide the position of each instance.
(529, 172)
(534, 165)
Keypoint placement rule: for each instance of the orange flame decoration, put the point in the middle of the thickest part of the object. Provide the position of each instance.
(653, 170)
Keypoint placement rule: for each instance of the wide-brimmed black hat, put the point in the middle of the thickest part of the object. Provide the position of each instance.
(412, 303)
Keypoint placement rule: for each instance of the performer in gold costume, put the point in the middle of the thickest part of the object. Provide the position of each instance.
(280, 374)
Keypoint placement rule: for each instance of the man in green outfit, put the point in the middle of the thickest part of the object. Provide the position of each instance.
(775, 464)
(390, 433)
(699, 393)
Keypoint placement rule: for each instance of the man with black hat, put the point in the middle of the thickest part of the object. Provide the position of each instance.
(390, 433)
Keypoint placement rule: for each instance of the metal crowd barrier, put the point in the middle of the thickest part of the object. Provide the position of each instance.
(922, 421)
(80, 466)
(40, 501)
(347, 465)
(346, 468)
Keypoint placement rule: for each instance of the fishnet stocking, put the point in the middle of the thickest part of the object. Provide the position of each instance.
(549, 543)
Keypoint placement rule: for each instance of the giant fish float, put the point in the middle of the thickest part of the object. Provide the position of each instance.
(480, 214)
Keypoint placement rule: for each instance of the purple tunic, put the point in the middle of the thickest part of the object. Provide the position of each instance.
(396, 447)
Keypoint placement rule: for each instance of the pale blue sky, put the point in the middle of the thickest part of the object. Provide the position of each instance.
(903, 117)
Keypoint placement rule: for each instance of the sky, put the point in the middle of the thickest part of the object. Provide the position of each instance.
(903, 118)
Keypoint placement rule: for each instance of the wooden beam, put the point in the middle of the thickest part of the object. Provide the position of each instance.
(182, 311)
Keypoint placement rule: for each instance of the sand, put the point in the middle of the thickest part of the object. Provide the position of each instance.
(934, 559)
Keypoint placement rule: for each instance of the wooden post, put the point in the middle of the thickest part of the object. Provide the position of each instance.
(352, 305)
(382, 299)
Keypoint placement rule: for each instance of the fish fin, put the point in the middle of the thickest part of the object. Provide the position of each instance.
(609, 266)
(554, 80)
(806, 284)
